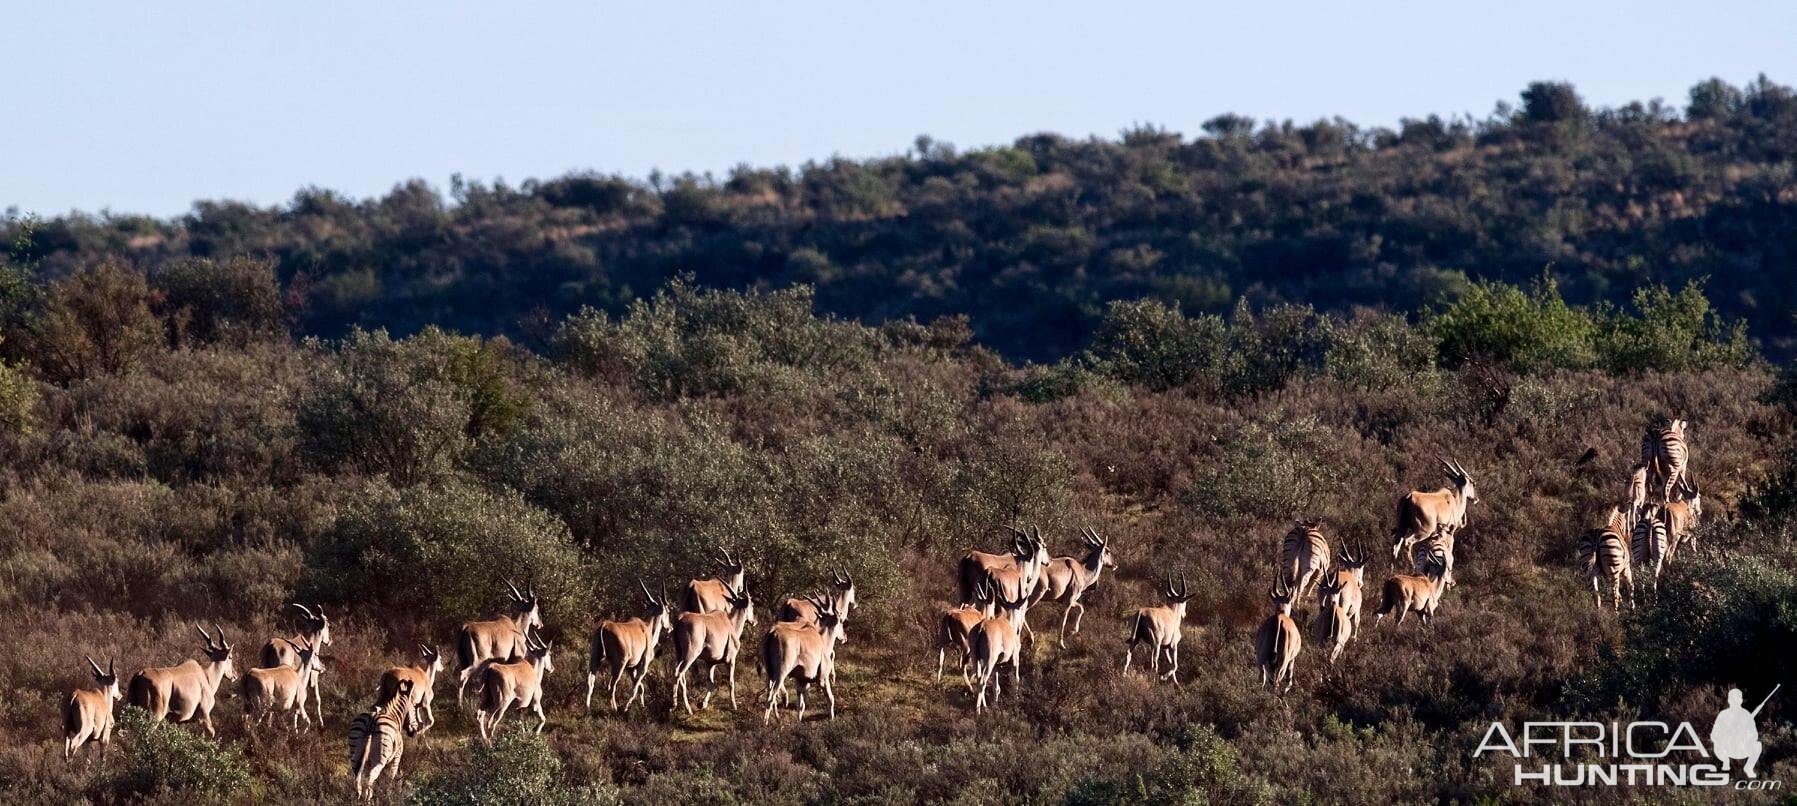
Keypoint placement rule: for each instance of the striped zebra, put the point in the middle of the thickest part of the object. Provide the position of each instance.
(1649, 546)
(1666, 456)
(377, 740)
(1305, 557)
(1423, 552)
(1605, 555)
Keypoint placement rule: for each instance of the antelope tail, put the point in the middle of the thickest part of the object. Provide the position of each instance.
(144, 694)
(596, 659)
(464, 649)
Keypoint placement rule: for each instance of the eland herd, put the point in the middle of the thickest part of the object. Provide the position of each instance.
(506, 659)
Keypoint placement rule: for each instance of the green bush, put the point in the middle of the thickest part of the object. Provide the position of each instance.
(458, 540)
(518, 770)
(1375, 350)
(1204, 769)
(163, 757)
(689, 342)
(97, 320)
(1524, 330)
(236, 300)
(1672, 333)
(1151, 344)
(18, 398)
(1269, 472)
(405, 409)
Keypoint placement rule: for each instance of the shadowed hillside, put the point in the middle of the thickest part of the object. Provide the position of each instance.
(1033, 239)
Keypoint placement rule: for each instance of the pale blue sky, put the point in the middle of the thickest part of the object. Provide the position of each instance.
(145, 107)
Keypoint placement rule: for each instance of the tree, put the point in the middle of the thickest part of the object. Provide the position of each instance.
(96, 320)
(1553, 102)
(406, 409)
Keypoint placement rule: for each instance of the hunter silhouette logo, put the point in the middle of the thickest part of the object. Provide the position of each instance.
(1735, 736)
(1641, 753)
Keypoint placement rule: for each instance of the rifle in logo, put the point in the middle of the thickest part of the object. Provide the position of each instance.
(1735, 736)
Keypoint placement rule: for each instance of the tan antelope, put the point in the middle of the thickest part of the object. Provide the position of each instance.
(1346, 587)
(707, 595)
(995, 641)
(1649, 546)
(804, 652)
(315, 629)
(1605, 554)
(1015, 573)
(1067, 580)
(1278, 641)
(87, 716)
(1634, 496)
(711, 639)
(180, 693)
(628, 646)
(1304, 556)
(841, 597)
(377, 740)
(270, 689)
(956, 625)
(1421, 514)
(1160, 628)
(500, 638)
(1410, 592)
(1681, 522)
(798, 609)
(1335, 628)
(518, 682)
(423, 679)
(1665, 453)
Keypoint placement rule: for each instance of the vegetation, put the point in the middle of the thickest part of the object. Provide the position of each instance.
(389, 406)
(1032, 240)
(198, 463)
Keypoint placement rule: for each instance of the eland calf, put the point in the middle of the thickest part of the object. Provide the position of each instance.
(315, 629)
(1407, 593)
(501, 638)
(272, 689)
(1278, 641)
(1160, 627)
(519, 682)
(87, 716)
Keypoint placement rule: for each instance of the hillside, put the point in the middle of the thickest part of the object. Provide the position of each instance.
(170, 453)
(1030, 241)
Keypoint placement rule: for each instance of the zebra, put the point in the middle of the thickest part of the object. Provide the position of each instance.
(1605, 555)
(377, 740)
(1649, 546)
(1666, 455)
(1305, 557)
